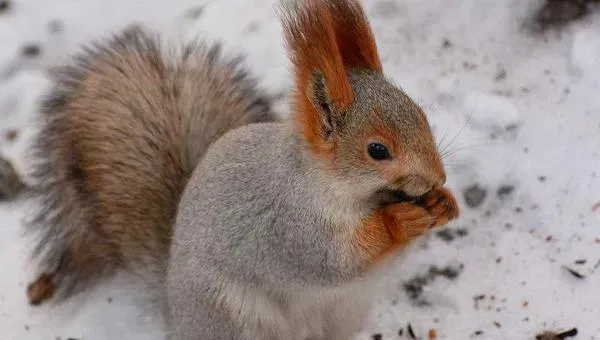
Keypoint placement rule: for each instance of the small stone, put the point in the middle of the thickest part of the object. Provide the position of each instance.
(557, 336)
(474, 195)
(556, 12)
(253, 27)
(194, 13)
(4, 6)
(11, 135)
(55, 26)
(461, 232)
(446, 235)
(386, 8)
(500, 75)
(446, 43)
(505, 190)
(31, 50)
(575, 273)
(411, 332)
(377, 336)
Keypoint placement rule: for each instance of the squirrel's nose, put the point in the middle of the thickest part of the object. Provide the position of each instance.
(440, 179)
(418, 185)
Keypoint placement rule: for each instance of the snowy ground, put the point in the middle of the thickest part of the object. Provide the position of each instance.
(520, 112)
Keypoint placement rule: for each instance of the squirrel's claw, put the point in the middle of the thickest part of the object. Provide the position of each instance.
(442, 205)
(406, 221)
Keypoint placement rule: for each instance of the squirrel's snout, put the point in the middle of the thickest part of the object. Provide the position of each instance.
(418, 185)
(423, 173)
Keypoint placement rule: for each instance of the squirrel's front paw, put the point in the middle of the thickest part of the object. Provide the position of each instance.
(406, 221)
(441, 204)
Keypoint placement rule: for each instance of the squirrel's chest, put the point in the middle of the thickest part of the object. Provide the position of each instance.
(318, 314)
(328, 314)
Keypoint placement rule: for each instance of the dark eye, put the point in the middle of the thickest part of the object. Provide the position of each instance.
(378, 151)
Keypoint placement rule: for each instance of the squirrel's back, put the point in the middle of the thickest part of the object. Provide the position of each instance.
(123, 128)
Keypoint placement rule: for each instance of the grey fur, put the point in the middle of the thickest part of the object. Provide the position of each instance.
(256, 245)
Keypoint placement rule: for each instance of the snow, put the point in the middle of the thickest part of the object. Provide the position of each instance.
(512, 107)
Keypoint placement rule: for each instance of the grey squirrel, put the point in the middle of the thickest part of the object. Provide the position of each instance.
(246, 226)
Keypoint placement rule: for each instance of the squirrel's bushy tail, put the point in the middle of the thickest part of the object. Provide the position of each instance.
(123, 128)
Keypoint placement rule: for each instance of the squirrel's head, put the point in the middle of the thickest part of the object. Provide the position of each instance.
(360, 126)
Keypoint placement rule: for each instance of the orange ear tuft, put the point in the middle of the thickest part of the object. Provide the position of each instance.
(327, 38)
(354, 36)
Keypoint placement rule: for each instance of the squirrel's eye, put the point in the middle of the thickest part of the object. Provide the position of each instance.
(378, 151)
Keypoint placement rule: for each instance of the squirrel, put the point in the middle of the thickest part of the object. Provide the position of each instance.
(246, 225)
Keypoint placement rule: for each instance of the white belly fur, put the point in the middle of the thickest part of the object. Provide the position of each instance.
(315, 314)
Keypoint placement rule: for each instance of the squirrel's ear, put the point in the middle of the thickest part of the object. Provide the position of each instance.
(319, 97)
(322, 88)
(326, 38)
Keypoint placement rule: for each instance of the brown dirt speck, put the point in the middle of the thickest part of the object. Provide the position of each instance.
(415, 286)
(55, 26)
(500, 75)
(411, 332)
(31, 50)
(547, 335)
(4, 5)
(474, 195)
(505, 190)
(450, 234)
(11, 135)
(575, 273)
(194, 13)
(559, 12)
